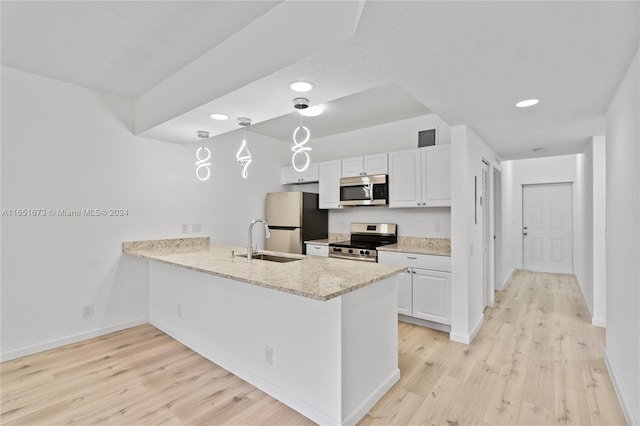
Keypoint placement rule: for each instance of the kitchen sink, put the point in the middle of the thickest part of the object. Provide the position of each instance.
(270, 257)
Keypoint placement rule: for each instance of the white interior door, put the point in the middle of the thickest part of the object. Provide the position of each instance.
(547, 228)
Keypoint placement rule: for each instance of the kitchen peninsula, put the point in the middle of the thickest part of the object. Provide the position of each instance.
(318, 334)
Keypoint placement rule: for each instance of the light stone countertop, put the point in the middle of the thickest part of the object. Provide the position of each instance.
(420, 245)
(314, 277)
(333, 237)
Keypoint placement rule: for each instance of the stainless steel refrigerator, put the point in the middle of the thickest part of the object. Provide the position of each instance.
(294, 217)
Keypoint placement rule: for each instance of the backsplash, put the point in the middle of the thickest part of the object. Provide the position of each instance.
(432, 222)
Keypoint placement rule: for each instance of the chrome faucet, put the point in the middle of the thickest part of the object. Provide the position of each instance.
(250, 246)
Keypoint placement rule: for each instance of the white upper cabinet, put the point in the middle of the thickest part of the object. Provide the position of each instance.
(329, 187)
(420, 177)
(405, 178)
(289, 175)
(376, 164)
(436, 185)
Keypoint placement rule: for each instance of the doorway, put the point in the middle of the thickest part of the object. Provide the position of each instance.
(497, 229)
(547, 228)
(485, 201)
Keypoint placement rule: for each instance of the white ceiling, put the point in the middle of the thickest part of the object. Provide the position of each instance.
(469, 62)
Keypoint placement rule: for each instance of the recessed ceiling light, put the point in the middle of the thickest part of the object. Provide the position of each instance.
(219, 116)
(312, 111)
(301, 86)
(527, 103)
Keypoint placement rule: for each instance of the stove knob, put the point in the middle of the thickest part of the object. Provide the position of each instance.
(361, 251)
(366, 252)
(350, 251)
(336, 249)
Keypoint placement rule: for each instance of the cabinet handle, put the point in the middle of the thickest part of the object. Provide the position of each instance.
(412, 257)
(317, 248)
(418, 203)
(413, 272)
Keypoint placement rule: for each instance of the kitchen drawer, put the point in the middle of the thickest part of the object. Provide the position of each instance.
(317, 250)
(415, 260)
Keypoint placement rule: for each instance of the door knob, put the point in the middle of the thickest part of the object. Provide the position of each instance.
(525, 228)
(524, 233)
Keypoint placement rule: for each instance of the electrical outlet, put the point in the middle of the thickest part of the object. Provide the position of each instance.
(185, 228)
(179, 310)
(436, 226)
(196, 227)
(268, 355)
(87, 311)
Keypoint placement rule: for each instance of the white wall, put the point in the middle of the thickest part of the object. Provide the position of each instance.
(467, 152)
(66, 147)
(599, 227)
(508, 262)
(421, 222)
(387, 137)
(622, 350)
(583, 235)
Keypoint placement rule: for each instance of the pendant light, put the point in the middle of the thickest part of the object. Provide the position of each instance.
(243, 155)
(301, 132)
(203, 155)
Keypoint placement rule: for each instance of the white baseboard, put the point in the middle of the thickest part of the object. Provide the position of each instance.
(506, 281)
(261, 383)
(467, 338)
(67, 340)
(584, 296)
(599, 322)
(279, 393)
(424, 323)
(622, 398)
(357, 414)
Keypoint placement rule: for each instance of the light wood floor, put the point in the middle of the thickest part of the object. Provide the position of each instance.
(537, 360)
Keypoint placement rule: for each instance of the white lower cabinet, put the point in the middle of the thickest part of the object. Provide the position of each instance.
(432, 296)
(317, 250)
(422, 292)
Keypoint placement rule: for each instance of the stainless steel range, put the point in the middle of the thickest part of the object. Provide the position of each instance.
(365, 239)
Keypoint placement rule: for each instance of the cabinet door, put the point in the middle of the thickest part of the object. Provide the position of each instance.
(436, 184)
(405, 293)
(405, 188)
(311, 174)
(352, 167)
(329, 173)
(432, 295)
(376, 164)
(290, 175)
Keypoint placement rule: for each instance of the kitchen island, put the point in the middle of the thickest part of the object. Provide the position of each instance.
(318, 334)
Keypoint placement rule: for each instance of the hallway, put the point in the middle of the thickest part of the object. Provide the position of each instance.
(536, 361)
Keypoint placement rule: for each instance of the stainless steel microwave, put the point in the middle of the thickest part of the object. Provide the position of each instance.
(364, 191)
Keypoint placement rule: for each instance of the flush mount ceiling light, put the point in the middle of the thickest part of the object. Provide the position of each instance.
(203, 155)
(219, 116)
(527, 103)
(243, 155)
(301, 86)
(312, 111)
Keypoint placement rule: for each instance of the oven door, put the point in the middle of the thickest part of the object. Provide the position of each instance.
(364, 191)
